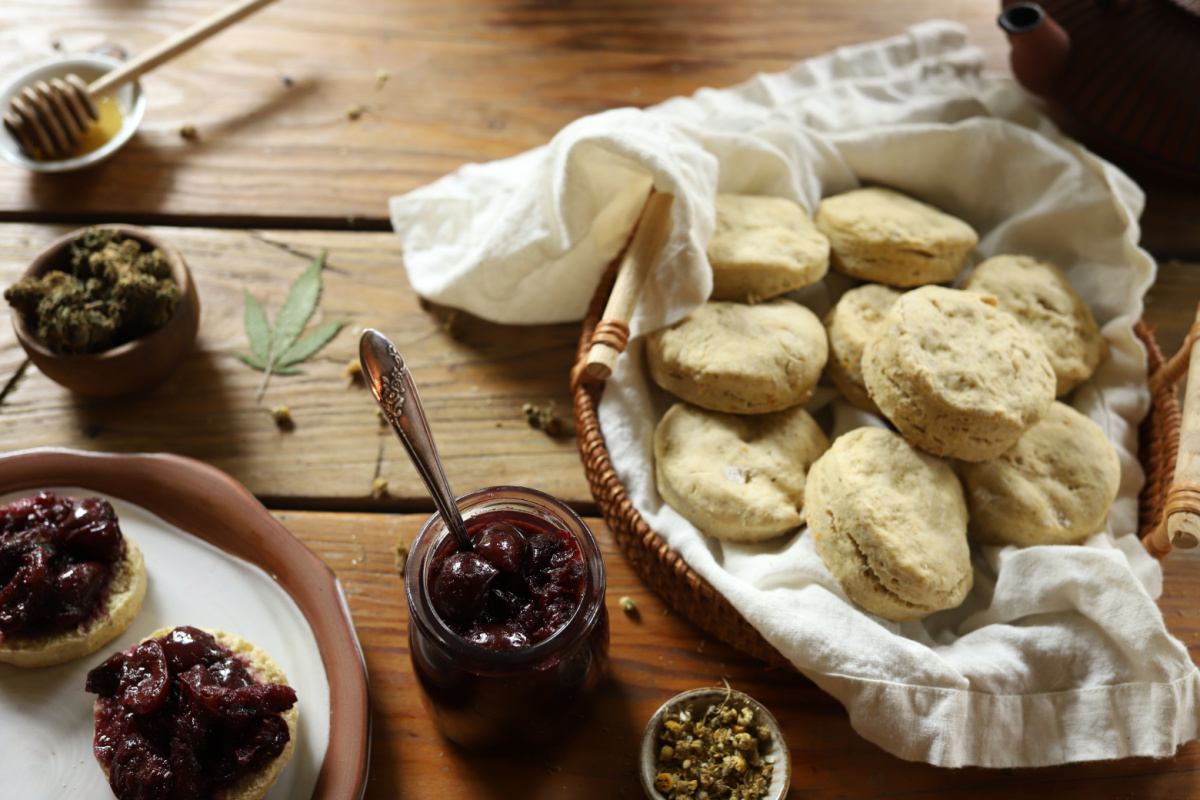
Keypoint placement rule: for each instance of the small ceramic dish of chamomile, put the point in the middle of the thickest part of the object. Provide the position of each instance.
(703, 742)
(132, 363)
(120, 113)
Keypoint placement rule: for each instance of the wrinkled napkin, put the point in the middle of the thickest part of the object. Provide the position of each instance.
(1059, 653)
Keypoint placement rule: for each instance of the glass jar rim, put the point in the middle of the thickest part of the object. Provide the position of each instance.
(434, 532)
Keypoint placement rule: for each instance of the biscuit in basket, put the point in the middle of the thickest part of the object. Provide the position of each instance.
(740, 359)
(890, 522)
(854, 321)
(883, 236)
(957, 376)
(764, 247)
(739, 478)
(1054, 486)
(1042, 299)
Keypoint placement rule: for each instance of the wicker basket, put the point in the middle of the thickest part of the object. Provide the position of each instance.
(695, 598)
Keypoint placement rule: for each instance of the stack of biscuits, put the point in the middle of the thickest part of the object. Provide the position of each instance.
(967, 378)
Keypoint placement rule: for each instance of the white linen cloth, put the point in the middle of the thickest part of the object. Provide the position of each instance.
(1059, 653)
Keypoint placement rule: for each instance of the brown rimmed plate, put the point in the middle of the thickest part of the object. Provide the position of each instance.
(214, 551)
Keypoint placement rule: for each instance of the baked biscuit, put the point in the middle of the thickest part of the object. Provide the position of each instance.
(1039, 295)
(122, 601)
(849, 325)
(1054, 486)
(739, 478)
(263, 669)
(886, 237)
(740, 359)
(890, 522)
(956, 375)
(764, 247)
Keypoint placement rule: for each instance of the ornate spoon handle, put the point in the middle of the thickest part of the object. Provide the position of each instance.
(392, 385)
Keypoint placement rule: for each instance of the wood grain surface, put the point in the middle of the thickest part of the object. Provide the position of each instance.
(655, 655)
(474, 378)
(467, 80)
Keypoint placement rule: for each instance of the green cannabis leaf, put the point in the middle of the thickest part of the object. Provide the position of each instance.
(277, 351)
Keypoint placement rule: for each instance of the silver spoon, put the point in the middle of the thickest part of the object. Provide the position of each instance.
(394, 390)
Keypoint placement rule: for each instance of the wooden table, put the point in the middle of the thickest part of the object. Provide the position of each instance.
(281, 170)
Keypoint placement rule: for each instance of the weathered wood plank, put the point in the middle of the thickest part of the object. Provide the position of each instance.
(474, 381)
(656, 654)
(467, 81)
(474, 377)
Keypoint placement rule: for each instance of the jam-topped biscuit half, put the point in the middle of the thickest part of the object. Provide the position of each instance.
(191, 714)
(70, 580)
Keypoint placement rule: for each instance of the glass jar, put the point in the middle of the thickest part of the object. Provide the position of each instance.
(498, 700)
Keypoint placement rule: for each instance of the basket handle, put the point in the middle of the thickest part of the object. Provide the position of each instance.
(1180, 523)
(612, 332)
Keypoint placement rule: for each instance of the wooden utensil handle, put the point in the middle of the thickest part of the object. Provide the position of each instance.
(1180, 526)
(1183, 527)
(612, 332)
(175, 45)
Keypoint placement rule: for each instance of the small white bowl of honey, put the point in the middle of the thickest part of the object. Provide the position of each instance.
(120, 113)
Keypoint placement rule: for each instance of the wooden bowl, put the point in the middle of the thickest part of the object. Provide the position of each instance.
(128, 368)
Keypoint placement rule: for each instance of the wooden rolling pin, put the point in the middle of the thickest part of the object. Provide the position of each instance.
(612, 332)
(1180, 526)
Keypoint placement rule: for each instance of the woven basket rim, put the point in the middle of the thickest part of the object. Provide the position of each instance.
(692, 596)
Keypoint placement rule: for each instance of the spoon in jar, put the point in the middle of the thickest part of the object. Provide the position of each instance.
(392, 385)
(47, 119)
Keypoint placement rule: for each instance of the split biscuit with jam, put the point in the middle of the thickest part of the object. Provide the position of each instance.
(883, 236)
(764, 247)
(1056, 485)
(739, 478)
(740, 359)
(890, 522)
(73, 580)
(1043, 300)
(192, 713)
(957, 376)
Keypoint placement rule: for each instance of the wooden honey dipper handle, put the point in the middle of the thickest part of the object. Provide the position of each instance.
(612, 332)
(1180, 526)
(173, 46)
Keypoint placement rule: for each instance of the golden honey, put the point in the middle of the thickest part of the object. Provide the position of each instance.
(101, 130)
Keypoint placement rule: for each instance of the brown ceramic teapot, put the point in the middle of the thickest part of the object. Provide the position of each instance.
(1123, 76)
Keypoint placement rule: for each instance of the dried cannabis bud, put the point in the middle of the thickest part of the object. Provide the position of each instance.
(714, 754)
(114, 293)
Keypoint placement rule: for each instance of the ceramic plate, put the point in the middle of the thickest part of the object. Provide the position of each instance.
(216, 559)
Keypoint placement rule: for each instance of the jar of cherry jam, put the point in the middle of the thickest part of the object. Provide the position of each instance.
(513, 663)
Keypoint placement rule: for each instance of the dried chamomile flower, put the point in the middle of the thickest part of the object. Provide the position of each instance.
(713, 754)
(545, 419)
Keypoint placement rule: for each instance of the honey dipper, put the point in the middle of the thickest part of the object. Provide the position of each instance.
(47, 118)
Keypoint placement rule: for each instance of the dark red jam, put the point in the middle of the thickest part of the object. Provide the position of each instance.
(57, 557)
(520, 585)
(509, 640)
(182, 718)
